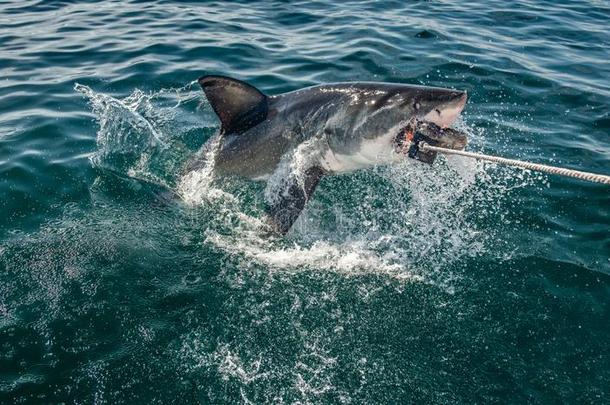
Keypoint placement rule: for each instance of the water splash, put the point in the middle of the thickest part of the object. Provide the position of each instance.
(198, 186)
(140, 135)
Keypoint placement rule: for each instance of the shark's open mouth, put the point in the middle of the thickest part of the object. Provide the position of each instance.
(416, 131)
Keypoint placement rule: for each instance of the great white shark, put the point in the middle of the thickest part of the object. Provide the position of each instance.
(320, 130)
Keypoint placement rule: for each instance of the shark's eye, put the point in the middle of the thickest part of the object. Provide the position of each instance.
(416, 105)
(438, 111)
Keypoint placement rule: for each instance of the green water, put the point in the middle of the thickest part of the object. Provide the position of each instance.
(125, 280)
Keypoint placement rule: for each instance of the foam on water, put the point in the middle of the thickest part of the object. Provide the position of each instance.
(311, 374)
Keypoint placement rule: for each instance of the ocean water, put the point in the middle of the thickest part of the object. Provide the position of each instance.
(124, 279)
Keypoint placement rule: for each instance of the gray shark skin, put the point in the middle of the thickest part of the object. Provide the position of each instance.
(319, 130)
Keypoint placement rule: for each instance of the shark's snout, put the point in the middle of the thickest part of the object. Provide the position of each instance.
(445, 113)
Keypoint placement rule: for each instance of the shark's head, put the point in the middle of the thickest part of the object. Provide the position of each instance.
(434, 111)
(379, 117)
(396, 106)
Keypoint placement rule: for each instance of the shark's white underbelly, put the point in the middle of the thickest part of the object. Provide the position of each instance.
(371, 152)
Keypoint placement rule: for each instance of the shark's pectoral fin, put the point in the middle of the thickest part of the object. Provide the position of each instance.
(239, 105)
(287, 206)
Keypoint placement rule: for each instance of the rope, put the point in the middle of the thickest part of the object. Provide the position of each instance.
(598, 178)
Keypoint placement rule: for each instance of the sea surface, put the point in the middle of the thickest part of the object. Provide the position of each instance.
(126, 280)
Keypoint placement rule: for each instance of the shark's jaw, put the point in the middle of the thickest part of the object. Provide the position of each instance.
(434, 129)
(410, 139)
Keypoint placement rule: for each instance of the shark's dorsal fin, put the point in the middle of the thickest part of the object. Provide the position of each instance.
(239, 105)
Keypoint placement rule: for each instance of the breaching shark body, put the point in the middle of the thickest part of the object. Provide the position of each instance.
(335, 128)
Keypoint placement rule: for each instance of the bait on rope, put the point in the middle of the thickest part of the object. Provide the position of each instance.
(594, 177)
